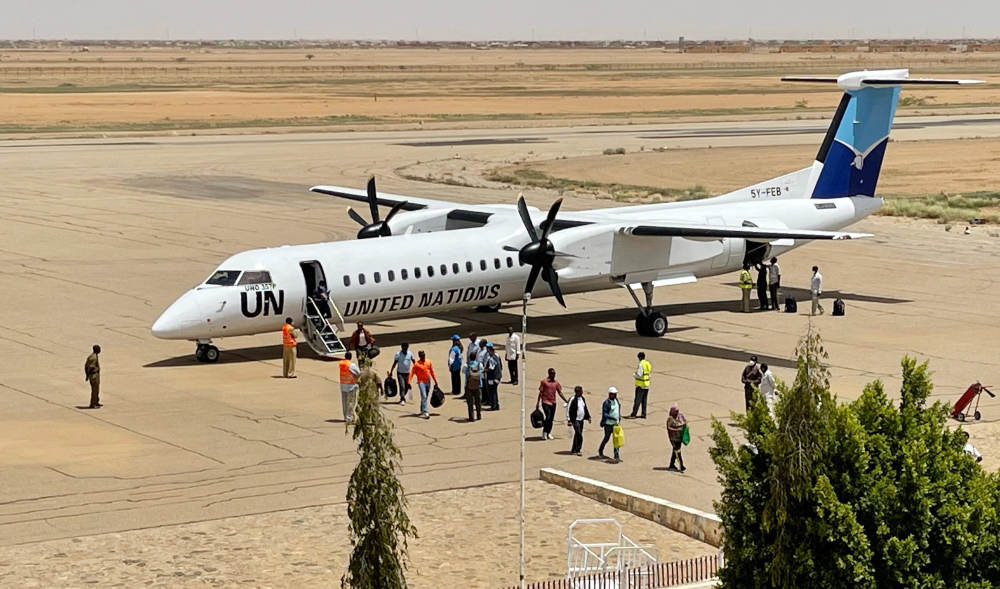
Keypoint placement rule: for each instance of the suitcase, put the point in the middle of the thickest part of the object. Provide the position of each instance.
(790, 305)
(838, 307)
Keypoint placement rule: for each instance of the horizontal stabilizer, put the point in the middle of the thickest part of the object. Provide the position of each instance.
(711, 232)
(878, 79)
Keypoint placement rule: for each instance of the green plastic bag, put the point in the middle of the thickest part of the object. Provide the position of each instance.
(686, 435)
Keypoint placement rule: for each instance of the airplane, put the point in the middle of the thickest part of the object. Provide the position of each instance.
(430, 256)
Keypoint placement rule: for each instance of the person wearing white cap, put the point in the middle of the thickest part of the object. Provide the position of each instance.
(611, 413)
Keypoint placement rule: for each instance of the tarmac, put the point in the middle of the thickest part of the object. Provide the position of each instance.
(101, 235)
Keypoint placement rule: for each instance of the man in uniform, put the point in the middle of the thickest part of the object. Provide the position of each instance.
(455, 364)
(92, 374)
(746, 285)
(288, 347)
(642, 376)
(349, 373)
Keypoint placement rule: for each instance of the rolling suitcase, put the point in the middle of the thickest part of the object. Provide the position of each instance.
(838, 308)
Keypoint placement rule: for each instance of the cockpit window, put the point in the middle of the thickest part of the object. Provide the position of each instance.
(255, 277)
(223, 277)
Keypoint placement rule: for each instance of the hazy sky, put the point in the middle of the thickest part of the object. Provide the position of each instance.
(495, 19)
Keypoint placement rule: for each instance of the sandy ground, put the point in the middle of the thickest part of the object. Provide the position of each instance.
(100, 236)
(306, 547)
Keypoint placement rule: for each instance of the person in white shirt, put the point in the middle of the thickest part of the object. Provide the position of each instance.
(774, 282)
(513, 353)
(816, 287)
(403, 363)
(768, 388)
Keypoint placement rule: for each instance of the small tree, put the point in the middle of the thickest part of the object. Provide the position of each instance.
(855, 495)
(376, 504)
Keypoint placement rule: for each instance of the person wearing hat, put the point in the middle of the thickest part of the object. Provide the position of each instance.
(611, 415)
(751, 379)
(675, 433)
(547, 391)
(493, 369)
(455, 364)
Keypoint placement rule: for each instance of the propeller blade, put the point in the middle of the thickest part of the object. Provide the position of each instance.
(552, 278)
(373, 199)
(565, 255)
(510, 248)
(532, 278)
(522, 209)
(550, 219)
(354, 215)
(395, 209)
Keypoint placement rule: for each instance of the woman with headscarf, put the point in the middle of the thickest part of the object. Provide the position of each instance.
(675, 433)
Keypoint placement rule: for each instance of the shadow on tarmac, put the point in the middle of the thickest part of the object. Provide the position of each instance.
(563, 329)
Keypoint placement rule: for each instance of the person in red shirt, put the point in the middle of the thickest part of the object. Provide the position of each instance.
(547, 391)
(423, 370)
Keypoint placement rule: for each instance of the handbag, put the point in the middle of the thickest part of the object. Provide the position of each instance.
(537, 419)
(618, 436)
(390, 388)
(437, 397)
(685, 435)
(373, 351)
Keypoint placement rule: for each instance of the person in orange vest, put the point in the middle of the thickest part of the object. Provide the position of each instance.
(349, 373)
(288, 345)
(424, 371)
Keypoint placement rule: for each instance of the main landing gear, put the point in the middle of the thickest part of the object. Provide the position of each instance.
(649, 322)
(206, 352)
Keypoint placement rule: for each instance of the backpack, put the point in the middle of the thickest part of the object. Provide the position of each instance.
(790, 305)
(838, 307)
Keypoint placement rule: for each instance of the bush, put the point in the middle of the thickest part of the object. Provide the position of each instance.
(614, 151)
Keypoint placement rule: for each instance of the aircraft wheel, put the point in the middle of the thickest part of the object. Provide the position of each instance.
(640, 325)
(199, 353)
(488, 308)
(960, 417)
(652, 325)
(211, 354)
(978, 416)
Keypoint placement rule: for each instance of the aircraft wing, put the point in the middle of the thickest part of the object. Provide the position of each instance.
(712, 232)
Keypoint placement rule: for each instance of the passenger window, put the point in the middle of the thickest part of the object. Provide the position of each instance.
(223, 277)
(454, 267)
(468, 266)
(444, 269)
(482, 264)
(496, 263)
(510, 262)
(378, 277)
(403, 274)
(392, 276)
(416, 272)
(347, 280)
(361, 278)
(255, 277)
(430, 271)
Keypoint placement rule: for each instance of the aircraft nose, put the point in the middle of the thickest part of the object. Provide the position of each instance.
(181, 319)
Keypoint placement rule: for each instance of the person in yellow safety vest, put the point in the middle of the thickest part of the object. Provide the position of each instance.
(288, 345)
(643, 372)
(746, 285)
(349, 373)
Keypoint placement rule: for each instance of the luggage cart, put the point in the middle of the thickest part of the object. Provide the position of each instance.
(961, 410)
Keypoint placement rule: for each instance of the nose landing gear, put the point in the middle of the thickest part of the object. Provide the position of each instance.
(206, 352)
(648, 322)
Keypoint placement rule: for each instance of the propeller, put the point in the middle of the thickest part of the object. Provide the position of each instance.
(375, 228)
(540, 253)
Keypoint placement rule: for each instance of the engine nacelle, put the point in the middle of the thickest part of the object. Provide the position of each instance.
(431, 220)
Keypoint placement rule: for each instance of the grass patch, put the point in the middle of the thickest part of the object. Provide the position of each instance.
(621, 192)
(945, 208)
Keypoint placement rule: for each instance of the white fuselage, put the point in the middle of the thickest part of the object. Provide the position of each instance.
(414, 274)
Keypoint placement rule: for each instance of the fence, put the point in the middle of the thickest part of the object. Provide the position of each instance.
(664, 574)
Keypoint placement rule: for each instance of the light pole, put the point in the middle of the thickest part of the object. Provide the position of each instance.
(524, 391)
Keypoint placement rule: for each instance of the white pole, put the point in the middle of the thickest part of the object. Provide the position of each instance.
(524, 381)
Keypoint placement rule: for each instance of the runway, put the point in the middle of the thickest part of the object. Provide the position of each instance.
(101, 235)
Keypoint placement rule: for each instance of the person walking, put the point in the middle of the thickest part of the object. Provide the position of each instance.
(642, 376)
(473, 394)
(289, 344)
(762, 287)
(751, 379)
(547, 391)
(403, 363)
(361, 341)
(578, 413)
(493, 376)
(746, 285)
(92, 374)
(774, 282)
(512, 353)
(611, 412)
(369, 373)
(321, 298)
(455, 364)
(349, 373)
(423, 370)
(675, 433)
(816, 287)
(768, 388)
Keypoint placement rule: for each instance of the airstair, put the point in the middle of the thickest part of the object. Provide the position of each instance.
(590, 551)
(320, 333)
